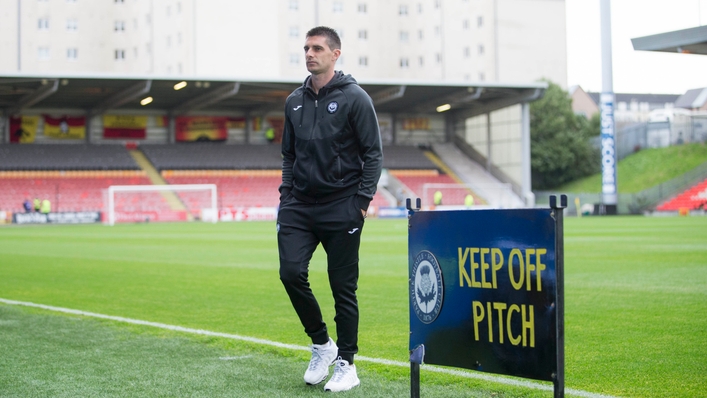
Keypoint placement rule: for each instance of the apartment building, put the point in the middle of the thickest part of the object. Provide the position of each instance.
(125, 37)
(429, 40)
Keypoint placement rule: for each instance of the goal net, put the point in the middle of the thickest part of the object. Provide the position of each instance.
(140, 203)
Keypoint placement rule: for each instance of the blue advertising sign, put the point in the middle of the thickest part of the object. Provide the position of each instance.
(608, 150)
(483, 290)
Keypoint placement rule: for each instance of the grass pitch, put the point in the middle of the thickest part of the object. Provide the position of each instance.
(635, 324)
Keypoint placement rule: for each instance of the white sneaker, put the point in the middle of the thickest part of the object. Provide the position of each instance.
(344, 377)
(323, 356)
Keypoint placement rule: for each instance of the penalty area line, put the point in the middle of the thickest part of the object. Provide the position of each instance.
(381, 361)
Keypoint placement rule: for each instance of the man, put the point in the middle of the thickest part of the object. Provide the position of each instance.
(46, 207)
(332, 159)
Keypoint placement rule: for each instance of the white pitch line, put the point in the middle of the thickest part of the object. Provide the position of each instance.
(461, 373)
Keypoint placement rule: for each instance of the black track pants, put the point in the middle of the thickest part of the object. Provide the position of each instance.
(337, 225)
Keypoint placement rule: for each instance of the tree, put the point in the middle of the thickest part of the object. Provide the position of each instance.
(560, 150)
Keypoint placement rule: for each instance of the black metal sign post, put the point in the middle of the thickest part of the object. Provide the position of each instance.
(559, 376)
(489, 298)
(417, 355)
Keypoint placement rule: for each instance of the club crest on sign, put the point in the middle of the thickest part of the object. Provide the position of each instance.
(426, 287)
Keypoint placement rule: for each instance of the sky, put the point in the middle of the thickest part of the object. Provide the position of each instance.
(634, 71)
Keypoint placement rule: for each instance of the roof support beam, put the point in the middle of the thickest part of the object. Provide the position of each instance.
(121, 97)
(527, 95)
(460, 97)
(388, 95)
(50, 87)
(213, 96)
(686, 41)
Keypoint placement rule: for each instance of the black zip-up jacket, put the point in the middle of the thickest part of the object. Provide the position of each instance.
(331, 145)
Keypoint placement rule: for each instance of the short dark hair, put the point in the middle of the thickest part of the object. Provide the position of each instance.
(332, 38)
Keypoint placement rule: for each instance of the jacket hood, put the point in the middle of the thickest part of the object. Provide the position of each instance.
(339, 80)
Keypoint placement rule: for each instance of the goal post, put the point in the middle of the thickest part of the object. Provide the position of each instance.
(145, 206)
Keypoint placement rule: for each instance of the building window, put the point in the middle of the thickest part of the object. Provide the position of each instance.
(437, 30)
(119, 26)
(439, 58)
(421, 34)
(363, 34)
(337, 7)
(148, 48)
(169, 41)
(294, 6)
(169, 10)
(71, 1)
(362, 8)
(72, 53)
(72, 24)
(419, 8)
(403, 9)
(404, 63)
(363, 61)
(421, 61)
(118, 1)
(43, 53)
(465, 24)
(404, 36)
(179, 38)
(294, 59)
(481, 49)
(437, 3)
(294, 31)
(119, 55)
(482, 76)
(480, 21)
(43, 23)
(135, 52)
(467, 52)
(179, 11)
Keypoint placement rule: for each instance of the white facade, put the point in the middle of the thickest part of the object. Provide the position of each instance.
(447, 40)
(91, 36)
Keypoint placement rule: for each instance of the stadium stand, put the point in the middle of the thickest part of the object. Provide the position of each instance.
(65, 157)
(74, 177)
(692, 199)
(406, 158)
(236, 188)
(415, 181)
(67, 190)
(213, 156)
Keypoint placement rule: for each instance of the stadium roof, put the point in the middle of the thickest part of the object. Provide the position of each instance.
(686, 41)
(98, 94)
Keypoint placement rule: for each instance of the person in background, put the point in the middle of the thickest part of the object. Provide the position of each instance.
(438, 198)
(37, 205)
(469, 200)
(46, 206)
(270, 135)
(27, 206)
(332, 161)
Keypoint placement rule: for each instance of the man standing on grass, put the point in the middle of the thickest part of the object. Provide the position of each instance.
(332, 159)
